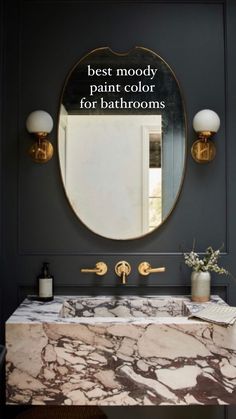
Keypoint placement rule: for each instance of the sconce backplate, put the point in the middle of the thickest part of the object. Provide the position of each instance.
(41, 151)
(203, 151)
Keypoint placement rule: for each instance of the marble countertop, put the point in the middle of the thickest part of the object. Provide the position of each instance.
(31, 312)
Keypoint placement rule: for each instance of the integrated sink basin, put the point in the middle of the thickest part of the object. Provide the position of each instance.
(124, 307)
(116, 351)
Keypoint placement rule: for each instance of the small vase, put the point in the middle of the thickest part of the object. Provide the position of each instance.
(200, 286)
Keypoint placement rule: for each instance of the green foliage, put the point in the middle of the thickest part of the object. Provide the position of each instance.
(209, 263)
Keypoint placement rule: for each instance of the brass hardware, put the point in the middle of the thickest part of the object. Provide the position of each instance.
(42, 150)
(40, 123)
(203, 150)
(145, 269)
(100, 269)
(123, 269)
(206, 123)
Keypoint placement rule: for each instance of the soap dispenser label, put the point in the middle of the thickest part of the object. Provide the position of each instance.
(45, 287)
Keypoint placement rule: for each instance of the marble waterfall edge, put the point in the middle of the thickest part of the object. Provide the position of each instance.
(135, 359)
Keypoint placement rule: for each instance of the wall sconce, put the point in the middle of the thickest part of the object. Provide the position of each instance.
(40, 124)
(206, 123)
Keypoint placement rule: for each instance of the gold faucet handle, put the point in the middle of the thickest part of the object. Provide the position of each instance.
(145, 269)
(100, 269)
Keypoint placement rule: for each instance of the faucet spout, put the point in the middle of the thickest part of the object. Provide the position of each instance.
(123, 269)
(123, 278)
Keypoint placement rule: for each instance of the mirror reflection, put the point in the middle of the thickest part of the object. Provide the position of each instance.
(121, 142)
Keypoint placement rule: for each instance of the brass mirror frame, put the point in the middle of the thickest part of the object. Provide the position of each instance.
(185, 138)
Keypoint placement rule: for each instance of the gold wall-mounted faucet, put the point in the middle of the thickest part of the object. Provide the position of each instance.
(123, 269)
(100, 269)
(145, 269)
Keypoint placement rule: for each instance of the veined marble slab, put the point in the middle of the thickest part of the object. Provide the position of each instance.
(167, 306)
(119, 351)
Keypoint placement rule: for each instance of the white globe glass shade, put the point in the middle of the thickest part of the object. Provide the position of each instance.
(206, 120)
(39, 121)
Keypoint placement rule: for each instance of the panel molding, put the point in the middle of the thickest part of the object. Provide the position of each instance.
(23, 251)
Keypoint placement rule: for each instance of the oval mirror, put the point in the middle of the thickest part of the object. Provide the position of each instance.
(122, 141)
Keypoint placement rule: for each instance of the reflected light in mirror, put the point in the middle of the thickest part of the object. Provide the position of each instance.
(122, 167)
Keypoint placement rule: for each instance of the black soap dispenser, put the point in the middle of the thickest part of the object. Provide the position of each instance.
(45, 284)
